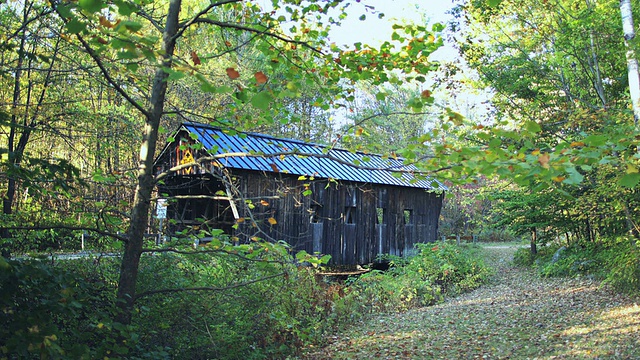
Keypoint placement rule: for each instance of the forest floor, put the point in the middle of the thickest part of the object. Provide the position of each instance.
(517, 315)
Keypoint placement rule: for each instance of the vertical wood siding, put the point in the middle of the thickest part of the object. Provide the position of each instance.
(337, 218)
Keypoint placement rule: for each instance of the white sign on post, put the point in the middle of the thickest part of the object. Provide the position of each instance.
(161, 209)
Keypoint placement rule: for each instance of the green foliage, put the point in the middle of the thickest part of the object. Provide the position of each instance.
(438, 269)
(454, 268)
(226, 305)
(216, 304)
(491, 235)
(572, 261)
(523, 257)
(615, 261)
(623, 264)
(63, 311)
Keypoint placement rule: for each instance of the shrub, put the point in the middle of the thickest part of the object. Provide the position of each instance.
(247, 309)
(616, 261)
(421, 280)
(496, 235)
(55, 311)
(523, 257)
(623, 259)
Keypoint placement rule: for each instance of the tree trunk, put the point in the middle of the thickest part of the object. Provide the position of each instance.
(141, 203)
(632, 61)
(534, 241)
(15, 152)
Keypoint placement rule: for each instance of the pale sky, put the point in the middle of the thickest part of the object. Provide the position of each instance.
(374, 30)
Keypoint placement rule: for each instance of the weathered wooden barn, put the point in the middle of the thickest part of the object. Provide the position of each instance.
(313, 197)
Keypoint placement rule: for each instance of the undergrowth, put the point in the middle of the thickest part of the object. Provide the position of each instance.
(614, 261)
(438, 269)
(243, 309)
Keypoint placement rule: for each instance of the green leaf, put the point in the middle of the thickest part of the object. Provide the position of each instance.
(532, 127)
(124, 8)
(262, 100)
(92, 6)
(574, 178)
(75, 27)
(302, 255)
(131, 26)
(173, 74)
(629, 180)
(128, 55)
(494, 3)
(133, 67)
(595, 140)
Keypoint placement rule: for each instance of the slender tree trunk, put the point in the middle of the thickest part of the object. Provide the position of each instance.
(14, 156)
(595, 64)
(141, 203)
(534, 241)
(596, 69)
(632, 61)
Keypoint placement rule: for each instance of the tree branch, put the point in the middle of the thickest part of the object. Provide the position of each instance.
(257, 31)
(206, 288)
(109, 78)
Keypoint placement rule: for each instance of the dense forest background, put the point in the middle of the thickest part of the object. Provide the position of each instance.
(92, 89)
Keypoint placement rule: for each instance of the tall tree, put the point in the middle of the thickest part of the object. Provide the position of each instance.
(632, 59)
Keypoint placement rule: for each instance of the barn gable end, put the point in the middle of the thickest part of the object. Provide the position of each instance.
(312, 197)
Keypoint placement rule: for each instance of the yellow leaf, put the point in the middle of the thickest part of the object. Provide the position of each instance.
(631, 169)
(272, 221)
(264, 203)
(359, 131)
(577, 143)
(558, 178)
(239, 220)
(106, 23)
(544, 160)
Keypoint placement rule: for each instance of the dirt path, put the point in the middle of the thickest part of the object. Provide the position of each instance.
(516, 316)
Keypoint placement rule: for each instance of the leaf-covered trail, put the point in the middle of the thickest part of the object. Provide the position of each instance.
(516, 316)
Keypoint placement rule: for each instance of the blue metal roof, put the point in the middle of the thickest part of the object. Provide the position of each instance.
(327, 163)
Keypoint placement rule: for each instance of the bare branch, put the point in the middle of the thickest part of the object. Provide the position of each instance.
(109, 78)
(258, 31)
(66, 227)
(199, 15)
(210, 251)
(206, 288)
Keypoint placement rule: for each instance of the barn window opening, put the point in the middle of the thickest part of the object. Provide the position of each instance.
(408, 216)
(380, 216)
(314, 214)
(349, 215)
